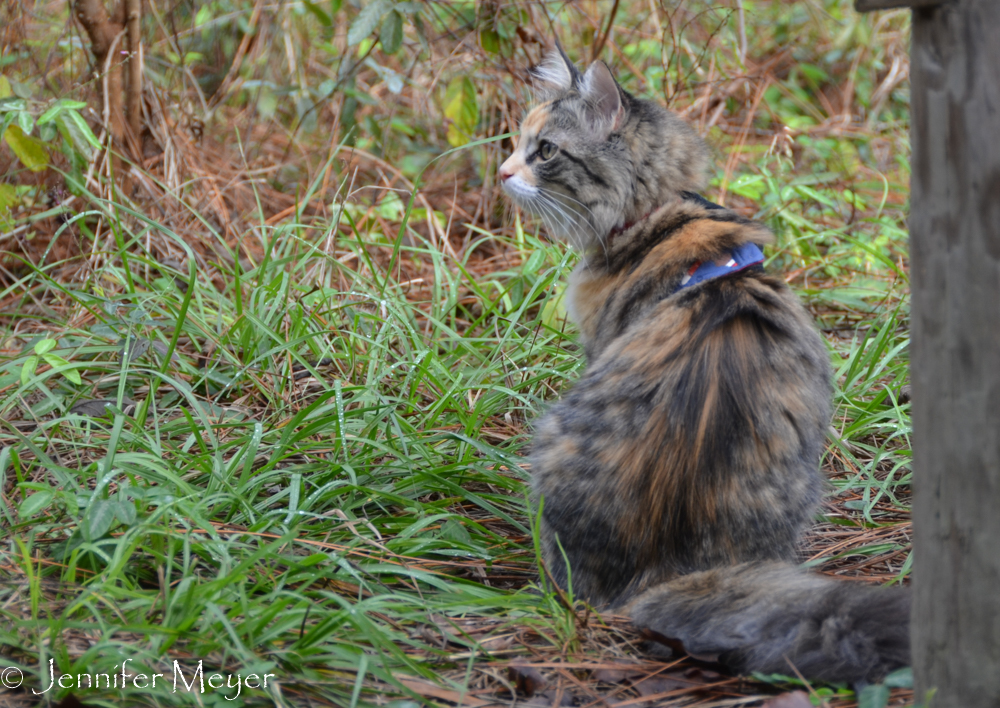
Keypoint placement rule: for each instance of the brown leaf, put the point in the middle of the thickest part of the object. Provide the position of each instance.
(796, 699)
(527, 679)
(661, 685)
(612, 675)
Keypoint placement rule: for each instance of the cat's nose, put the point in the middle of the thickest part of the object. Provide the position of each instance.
(507, 169)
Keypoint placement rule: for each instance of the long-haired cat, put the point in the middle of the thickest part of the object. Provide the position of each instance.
(678, 474)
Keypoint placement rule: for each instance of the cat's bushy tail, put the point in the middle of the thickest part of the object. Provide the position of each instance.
(769, 617)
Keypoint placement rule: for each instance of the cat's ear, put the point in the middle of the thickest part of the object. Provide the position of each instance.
(557, 71)
(603, 96)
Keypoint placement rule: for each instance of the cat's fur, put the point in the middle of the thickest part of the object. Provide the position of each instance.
(678, 474)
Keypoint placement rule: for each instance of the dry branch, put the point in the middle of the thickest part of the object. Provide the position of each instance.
(106, 33)
(103, 31)
(133, 16)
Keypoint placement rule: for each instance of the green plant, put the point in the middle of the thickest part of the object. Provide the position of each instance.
(43, 354)
(58, 123)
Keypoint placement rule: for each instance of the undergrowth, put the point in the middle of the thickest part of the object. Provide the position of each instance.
(266, 398)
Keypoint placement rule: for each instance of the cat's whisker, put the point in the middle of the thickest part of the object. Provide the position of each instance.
(581, 222)
(550, 218)
(552, 192)
(569, 219)
(562, 217)
(540, 207)
(559, 196)
(568, 214)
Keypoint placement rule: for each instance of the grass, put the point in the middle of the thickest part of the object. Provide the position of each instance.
(264, 413)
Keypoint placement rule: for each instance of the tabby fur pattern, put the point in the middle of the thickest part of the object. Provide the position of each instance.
(677, 476)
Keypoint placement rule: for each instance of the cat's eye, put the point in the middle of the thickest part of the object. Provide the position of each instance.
(547, 150)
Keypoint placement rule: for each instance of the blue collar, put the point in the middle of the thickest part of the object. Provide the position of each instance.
(738, 259)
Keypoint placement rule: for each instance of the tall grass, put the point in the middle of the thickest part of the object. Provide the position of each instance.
(295, 446)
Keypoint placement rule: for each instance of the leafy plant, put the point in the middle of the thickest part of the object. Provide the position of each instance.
(462, 109)
(43, 354)
(60, 119)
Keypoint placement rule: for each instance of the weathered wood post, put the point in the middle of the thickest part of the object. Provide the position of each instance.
(955, 349)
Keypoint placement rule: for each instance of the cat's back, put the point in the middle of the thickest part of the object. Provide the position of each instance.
(693, 437)
(620, 281)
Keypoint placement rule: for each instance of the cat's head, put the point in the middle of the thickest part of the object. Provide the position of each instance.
(593, 159)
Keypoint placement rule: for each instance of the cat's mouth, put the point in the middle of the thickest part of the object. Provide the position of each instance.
(520, 191)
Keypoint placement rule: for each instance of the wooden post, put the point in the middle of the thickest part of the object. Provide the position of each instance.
(955, 350)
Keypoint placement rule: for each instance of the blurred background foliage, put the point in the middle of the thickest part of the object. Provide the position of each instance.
(273, 90)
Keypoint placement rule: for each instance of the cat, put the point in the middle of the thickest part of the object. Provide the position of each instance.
(677, 475)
